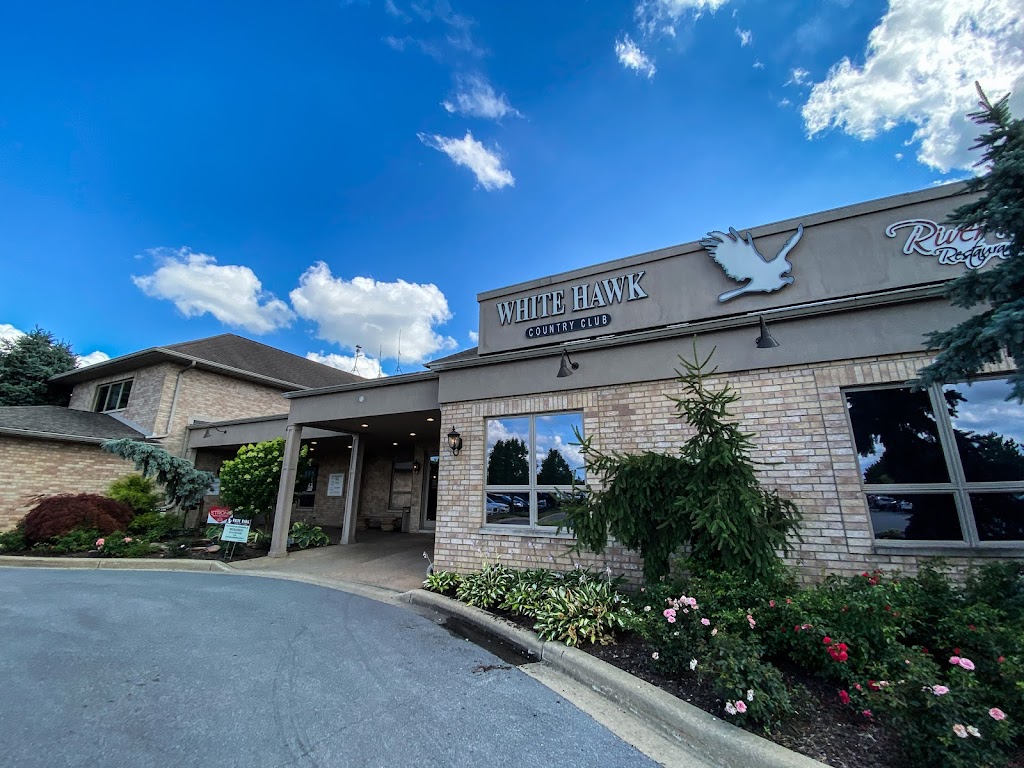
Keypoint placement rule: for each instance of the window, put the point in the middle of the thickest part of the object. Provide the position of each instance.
(113, 397)
(941, 465)
(531, 465)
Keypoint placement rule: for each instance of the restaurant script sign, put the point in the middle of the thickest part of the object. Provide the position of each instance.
(950, 245)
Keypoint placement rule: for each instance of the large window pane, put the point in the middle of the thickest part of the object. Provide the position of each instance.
(989, 430)
(896, 437)
(507, 508)
(508, 452)
(999, 516)
(919, 516)
(558, 462)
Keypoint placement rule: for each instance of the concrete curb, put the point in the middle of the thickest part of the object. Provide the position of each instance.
(715, 740)
(380, 594)
(107, 563)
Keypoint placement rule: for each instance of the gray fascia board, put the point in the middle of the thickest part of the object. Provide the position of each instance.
(60, 437)
(810, 220)
(161, 353)
(811, 309)
(229, 422)
(387, 381)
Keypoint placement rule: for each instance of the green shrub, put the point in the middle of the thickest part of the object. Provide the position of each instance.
(305, 535)
(137, 492)
(62, 514)
(527, 590)
(154, 525)
(442, 582)
(118, 544)
(13, 541)
(752, 688)
(485, 588)
(593, 611)
(69, 543)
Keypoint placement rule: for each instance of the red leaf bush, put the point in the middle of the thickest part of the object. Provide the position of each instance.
(59, 515)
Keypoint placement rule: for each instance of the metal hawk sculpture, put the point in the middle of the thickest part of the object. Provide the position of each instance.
(740, 259)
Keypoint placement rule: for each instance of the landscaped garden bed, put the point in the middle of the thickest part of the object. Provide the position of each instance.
(873, 671)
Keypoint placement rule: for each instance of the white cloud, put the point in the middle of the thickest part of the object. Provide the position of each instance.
(758, 64)
(198, 285)
(746, 37)
(474, 337)
(631, 57)
(372, 314)
(470, 153)
(798, 76)
(9, 332)
(474, 96)
(919, 68)
(91, 359)
(785, 102)
(360, 365)
(663, 16)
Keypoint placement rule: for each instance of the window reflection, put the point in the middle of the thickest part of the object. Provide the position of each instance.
(999, 516)
(920, 516)
(558, 462)
(507, 452)
(896, 437)
(508, 508)
(989, 430)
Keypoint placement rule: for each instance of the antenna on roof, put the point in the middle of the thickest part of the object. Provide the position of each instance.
(355, 360)
(380, 368)
(398, 366)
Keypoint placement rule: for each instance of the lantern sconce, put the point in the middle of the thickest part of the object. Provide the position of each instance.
(454, 441)
(416, 467)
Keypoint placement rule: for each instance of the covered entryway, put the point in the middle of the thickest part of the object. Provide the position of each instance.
(385, 474)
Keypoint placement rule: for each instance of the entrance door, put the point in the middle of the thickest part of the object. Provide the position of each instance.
(429, 520)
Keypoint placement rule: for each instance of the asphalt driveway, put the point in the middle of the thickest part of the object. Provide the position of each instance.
(128, 668)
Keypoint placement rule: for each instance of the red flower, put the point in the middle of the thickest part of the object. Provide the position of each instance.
(956, 651)
(843, 656)
(867, 713)
(844, 697)
(970, 627)
(865, 574)
(857, 686)
(872, 685)
(827, 640)
(925, 651)
(1001, 659)
(842, 647)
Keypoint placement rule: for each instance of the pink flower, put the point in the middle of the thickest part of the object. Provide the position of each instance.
(100, 543)
(960, 731)
(669, 613)
(940, 690)
(127, 539)
(954, 659)
(706, 622)
(750, 621)
(967, 664)
(771, 603)
(997, 714)
(867, 713)
(741, 706)
(672, 619)
(844, 697)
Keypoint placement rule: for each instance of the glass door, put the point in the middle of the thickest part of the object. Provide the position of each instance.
(429, 520)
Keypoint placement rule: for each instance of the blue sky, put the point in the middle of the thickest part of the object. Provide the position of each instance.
(317, 175)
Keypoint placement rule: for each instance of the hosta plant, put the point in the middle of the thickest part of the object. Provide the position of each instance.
(442, 582)
(591, 612)
(485, 588)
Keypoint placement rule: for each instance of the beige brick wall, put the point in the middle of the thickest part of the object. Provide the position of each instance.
(45, 467)
(797, 416)
(150, 399)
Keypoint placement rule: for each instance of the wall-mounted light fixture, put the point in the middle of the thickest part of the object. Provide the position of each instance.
(454, 441)
(566, 366)
(215, 429)
(765, 340)
(416, 467)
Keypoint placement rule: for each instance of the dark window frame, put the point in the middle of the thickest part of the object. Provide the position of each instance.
(103, 392)
(958, 486)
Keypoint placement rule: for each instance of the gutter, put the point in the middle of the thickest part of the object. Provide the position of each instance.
(59, 436)
(174, 401)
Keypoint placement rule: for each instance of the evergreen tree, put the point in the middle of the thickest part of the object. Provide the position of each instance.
(554, 470)
(183, 483)
(26, 365)
(965, 349)
(509, 463)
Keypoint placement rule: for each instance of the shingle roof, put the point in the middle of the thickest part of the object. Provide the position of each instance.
(63, 423)
(227, 354)
(248, 355)
(465, 354)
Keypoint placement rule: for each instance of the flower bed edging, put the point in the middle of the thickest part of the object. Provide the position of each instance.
(717, 741)
(136, 564)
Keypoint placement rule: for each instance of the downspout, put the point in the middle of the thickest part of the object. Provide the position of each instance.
(174, 401)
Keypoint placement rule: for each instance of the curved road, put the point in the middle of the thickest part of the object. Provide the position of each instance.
(133, 669)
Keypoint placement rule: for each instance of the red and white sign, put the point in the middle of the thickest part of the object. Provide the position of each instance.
(218, 515)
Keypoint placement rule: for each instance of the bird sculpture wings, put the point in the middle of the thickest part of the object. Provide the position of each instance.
(740, 259)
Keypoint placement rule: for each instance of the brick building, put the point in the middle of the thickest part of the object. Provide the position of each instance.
(819, 324)
(151, 395)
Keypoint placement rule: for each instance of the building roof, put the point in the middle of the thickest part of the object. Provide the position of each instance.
(58, 423)
(228, 354)
(466, 354)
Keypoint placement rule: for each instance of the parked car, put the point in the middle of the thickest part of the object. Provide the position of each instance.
(495, 507)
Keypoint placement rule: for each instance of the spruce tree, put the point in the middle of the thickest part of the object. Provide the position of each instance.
(965, 349)
(26, 365)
